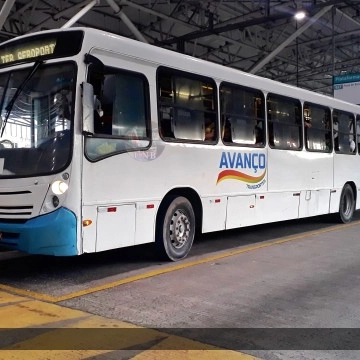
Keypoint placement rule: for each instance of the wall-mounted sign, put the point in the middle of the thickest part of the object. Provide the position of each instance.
(347, 88)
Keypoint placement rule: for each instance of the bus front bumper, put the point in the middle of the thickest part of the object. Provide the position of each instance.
(50, 234)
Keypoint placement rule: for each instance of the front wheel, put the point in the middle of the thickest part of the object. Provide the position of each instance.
(347, 204)
(175, 228)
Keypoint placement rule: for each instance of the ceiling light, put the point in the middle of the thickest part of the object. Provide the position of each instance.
(300, 15)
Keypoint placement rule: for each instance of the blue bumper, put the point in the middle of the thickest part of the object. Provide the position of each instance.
(50, 234)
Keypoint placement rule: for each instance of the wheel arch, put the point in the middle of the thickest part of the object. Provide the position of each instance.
(353, 187)
(194, 200)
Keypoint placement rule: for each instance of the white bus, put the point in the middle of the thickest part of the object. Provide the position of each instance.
(108, 142)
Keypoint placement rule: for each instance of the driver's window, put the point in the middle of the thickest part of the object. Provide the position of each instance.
(121, 119)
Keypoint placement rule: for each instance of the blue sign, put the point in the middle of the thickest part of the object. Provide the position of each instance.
(348, 78)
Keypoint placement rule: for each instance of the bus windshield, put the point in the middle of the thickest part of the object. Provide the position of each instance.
(36, 119)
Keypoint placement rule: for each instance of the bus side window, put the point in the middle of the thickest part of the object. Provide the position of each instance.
(123, 122)
(242, 113)
(166, 122)
(284, 122)
(343, 132)
(103, 121)
(317, 128)
(186, 107)
(226, 131)
(186, 126)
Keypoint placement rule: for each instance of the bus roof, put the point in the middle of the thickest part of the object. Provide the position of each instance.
(165, 57)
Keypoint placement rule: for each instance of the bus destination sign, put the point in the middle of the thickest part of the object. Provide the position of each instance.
(25, 51)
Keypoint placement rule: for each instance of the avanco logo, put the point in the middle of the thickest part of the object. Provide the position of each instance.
(232, 161)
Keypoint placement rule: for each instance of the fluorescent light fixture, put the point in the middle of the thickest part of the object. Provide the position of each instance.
(300, 15)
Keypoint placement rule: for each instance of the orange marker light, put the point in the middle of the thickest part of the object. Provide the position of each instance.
(87, 222)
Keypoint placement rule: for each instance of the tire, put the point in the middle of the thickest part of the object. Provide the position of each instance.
(347, 204)
(175, 228)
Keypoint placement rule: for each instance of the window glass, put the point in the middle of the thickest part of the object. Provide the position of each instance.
(317, 128)
(187, 107)
(284, 122)
(37, 119)
(122, 118)
(242, 115)
(344, 132)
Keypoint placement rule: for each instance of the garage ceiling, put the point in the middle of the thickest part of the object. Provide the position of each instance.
(257, 36)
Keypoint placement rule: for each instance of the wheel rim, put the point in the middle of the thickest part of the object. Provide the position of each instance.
(179, 229)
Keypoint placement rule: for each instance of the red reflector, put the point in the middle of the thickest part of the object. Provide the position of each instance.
(217, 200)
(262, 197)
(150, 206)
(112, 209)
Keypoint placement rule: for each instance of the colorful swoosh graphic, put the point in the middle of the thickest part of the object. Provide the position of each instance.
(237, 175)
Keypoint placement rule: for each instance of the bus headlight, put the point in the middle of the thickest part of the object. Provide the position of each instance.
(59, 187)
(56, 194)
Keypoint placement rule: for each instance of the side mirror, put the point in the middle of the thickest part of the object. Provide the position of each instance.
(88, 106)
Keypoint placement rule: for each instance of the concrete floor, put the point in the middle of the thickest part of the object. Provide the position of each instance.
(290, 288)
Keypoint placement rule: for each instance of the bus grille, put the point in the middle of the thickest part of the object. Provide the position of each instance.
(15, 210)
(17, 205)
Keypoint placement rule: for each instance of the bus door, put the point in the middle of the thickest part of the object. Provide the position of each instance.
(120, 128)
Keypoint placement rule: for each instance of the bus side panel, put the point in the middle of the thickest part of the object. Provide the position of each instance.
(240, 211)
(118, 225)
(335, 201)
(214, 213)
(276, 206)
(314, 202)
(145, 221)
(89, 231)
(299, 170)
(115, 226)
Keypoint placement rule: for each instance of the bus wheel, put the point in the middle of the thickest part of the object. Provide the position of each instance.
(347, 204)
(175, 228)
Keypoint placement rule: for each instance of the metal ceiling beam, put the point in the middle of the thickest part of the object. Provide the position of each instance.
(290, 39)
(81, 13)
(155, 13)
(5, 10)
(126, 21)
(325, 69)
(59, 15)
(218, 30)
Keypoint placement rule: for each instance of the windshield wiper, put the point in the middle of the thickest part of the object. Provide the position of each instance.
(19, 90)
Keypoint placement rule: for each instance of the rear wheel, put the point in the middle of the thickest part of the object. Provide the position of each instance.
(175, 228)
(347, 204)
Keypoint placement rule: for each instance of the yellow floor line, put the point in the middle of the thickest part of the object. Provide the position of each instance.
(86, 336)
(182, 265)
(192, 355)
(35, 313)
(6, 298)
(51, 354)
